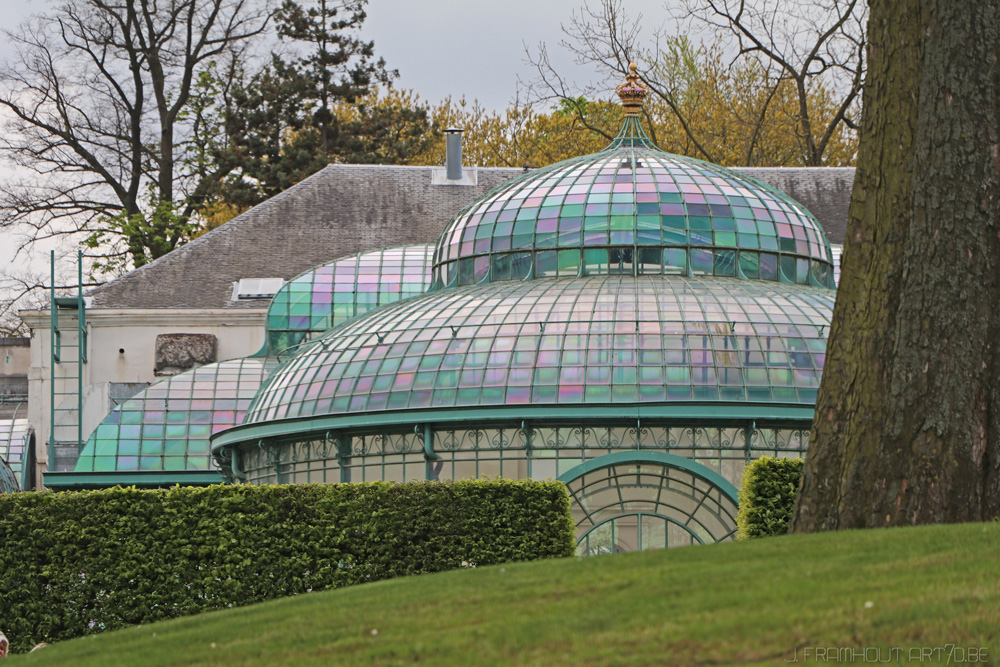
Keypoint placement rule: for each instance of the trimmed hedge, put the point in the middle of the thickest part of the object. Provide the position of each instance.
(767, 497)
(76, 563)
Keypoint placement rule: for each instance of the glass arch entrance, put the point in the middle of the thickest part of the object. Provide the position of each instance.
(633, 501)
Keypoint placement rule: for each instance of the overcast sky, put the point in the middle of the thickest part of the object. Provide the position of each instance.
(446, 47)
(474, 48)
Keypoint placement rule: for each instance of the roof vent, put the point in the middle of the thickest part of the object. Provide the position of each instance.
(256, 288)
(453, 154)
(453, 172)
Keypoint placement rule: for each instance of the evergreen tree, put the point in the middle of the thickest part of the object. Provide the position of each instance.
(304, 111)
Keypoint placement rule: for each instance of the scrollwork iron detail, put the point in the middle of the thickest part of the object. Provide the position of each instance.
(224, 462)
(659, 438)
(361, 445)
(402, 443)
(446, 441)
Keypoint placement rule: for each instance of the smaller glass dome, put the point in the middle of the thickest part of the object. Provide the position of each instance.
(323, 297)
(167, 426)
(635, 210)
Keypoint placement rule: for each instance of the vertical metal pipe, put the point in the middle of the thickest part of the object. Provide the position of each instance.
(53, 358)
(81, 350)
(453, 154)
(431, 458)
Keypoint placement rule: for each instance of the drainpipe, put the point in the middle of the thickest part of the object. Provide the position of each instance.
(235, 464)
(430, 457)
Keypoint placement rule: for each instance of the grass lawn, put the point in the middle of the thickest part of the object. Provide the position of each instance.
(900, 590)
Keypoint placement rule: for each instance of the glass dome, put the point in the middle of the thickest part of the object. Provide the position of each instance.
(600, 339)
(633, 209)
(167, 426)
(635, 324)
(325, 296)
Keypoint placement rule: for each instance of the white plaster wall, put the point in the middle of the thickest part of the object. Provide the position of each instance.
(14, 360)
(120, 348)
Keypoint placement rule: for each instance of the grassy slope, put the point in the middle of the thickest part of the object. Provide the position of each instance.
(745, 602)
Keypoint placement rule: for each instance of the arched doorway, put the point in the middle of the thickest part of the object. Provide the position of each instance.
(632, 501)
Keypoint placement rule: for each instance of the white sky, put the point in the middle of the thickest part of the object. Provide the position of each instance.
(473, 48)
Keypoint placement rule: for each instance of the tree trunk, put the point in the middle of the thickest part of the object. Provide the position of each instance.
(907, 426)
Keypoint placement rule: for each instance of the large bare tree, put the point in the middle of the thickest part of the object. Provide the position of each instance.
(907, 426)
(812, 50)
(97, 107)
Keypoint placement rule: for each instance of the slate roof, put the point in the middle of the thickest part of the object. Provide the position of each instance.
(345, 209)
(825, 191)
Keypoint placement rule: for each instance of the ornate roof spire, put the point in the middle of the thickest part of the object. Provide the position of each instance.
(632, 92)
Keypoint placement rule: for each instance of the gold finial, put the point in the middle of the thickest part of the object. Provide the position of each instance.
(632, 92)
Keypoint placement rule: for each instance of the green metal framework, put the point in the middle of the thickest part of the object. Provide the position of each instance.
(705, 473)
(64, 481)
(483, 446)
(66, 374)
(404, 420)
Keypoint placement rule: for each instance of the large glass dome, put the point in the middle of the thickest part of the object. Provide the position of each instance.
(637, 324)
(600, 339)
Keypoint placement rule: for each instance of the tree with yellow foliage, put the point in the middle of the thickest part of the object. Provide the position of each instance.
(771, 87)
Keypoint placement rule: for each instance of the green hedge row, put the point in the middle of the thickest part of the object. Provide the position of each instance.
(77, 563)
(767, 497)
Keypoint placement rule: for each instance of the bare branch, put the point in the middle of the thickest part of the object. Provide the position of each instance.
(95, 104)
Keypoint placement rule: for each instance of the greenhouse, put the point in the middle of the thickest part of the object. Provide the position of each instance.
(636, 324)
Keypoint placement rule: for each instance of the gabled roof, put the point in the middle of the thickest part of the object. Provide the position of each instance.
(340, 210)
(344, 209)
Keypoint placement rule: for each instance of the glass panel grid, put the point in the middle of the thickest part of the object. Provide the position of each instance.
(635, 210)
(328, 295)
(601, 339)
(14, 434)
(167, 426)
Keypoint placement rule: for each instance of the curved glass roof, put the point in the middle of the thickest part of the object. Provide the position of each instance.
(14, 435)
(633, 209)
(166, 427)
(599, 339)
(327, 295)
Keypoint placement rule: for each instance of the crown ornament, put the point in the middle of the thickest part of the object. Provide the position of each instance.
(632, 92)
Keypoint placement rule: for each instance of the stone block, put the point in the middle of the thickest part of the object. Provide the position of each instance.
(176, 353)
